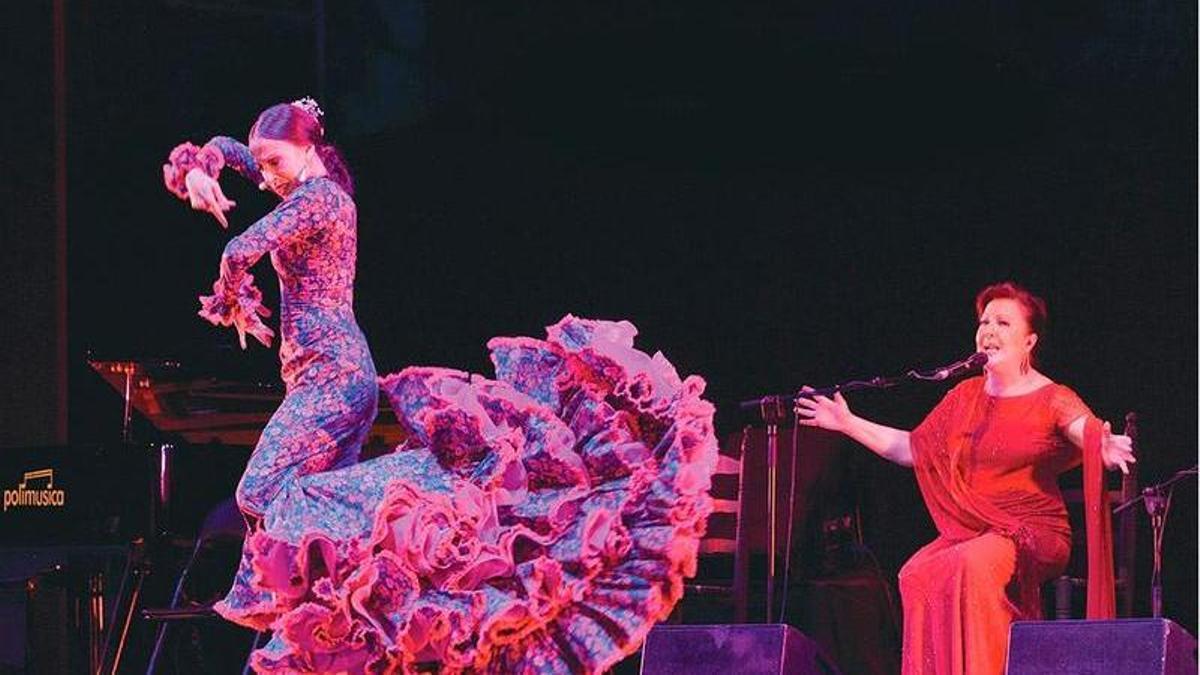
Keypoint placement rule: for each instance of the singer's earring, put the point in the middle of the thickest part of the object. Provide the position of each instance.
(1025, 365)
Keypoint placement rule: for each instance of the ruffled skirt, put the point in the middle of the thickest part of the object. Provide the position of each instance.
(541, 522)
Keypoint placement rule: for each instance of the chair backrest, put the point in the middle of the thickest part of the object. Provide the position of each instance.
(724, 541)
(721, 537)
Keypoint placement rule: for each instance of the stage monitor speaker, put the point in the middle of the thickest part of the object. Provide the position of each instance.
(746, 649)
(1115, 647)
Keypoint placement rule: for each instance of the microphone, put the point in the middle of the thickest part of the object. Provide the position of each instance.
(957, 368)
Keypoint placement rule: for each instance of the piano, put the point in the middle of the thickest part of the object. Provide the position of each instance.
(206, 420)
(200, 407)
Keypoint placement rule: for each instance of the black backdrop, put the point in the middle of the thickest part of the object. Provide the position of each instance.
(775, 194)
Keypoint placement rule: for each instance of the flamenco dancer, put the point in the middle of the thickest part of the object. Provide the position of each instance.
(987, 460)
(540, 522)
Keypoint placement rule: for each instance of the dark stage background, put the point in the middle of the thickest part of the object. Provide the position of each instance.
(774, 193)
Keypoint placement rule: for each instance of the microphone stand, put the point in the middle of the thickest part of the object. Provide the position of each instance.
(1157, 499)
(773, 409)
(772, 413)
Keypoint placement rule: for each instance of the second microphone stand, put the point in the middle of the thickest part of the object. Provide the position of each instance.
(1157, 499)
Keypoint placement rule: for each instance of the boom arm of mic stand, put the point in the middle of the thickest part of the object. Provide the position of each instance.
(786, 401)
(1179, 475)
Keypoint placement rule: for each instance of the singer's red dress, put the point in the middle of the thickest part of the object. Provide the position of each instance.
(987, 468)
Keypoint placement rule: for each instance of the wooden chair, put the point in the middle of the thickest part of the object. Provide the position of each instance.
(723, 563)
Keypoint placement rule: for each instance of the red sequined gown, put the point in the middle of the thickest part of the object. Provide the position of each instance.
(987, 467)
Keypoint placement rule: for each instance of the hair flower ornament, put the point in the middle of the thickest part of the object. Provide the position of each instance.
(309, 105)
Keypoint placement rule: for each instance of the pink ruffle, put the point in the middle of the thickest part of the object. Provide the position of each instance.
(545, 521)
(241, 307)
(185, 157)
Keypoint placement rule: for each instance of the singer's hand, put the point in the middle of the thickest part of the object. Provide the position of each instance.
(824, 412)
(204, 194)
(1116, 450)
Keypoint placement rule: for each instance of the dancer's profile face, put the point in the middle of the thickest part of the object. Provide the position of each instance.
(283, 164)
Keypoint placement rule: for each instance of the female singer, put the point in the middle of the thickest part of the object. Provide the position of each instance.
(986, 459)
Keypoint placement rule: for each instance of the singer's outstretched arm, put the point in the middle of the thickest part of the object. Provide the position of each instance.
(1116, 450)
(889, 443)
(834, 414)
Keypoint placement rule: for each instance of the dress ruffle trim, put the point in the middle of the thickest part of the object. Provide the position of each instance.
(240, 306)
(185, 157)
(543, 523)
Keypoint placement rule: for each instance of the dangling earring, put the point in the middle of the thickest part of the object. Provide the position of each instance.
(1025, 365)
(303, 171)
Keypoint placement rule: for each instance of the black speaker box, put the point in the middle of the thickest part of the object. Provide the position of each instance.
(1115, 647)
(746, 649)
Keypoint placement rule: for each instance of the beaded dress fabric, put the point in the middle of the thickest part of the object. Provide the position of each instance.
(987, 467)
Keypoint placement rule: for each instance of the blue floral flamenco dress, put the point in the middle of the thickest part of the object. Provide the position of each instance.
(540, 522)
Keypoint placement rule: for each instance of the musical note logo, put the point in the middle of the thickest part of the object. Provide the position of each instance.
(45, 497)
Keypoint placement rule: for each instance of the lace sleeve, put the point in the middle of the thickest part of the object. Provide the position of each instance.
(1067, 407)
(235, 300)
(237, 156)
(238, 305)
(185, 157)
(217, 154)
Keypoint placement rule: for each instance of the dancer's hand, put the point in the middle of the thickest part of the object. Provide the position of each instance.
(1116, 450)
(204, 193)
(824, 412)
(255, 328)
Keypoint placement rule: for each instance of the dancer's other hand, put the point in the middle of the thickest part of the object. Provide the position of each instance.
(256, 328)
(204, 193)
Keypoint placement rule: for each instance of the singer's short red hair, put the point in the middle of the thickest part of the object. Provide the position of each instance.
(1035, 307)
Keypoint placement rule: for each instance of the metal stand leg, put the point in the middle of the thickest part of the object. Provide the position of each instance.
(96, 622)
(772, 414)
(161, 635)
(1156, 506)
(772, 498)
(260, 640)
(135, 573)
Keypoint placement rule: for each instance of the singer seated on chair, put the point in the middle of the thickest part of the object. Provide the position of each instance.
(986, 460)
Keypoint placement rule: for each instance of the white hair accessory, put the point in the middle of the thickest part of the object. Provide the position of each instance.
(309, 105)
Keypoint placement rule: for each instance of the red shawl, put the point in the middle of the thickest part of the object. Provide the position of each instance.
(1098, 518)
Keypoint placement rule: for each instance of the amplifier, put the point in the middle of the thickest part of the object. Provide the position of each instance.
(746, 649)
(1110, 647)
